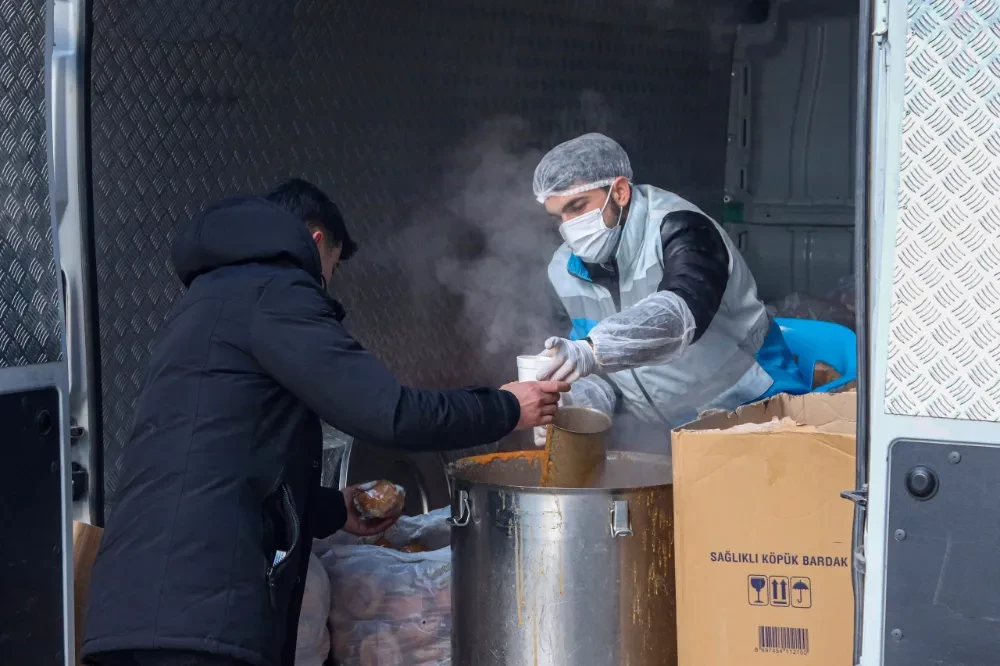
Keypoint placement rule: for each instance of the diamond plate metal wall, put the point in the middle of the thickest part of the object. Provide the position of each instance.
(194, 100)
(30, 326)
(944, 356)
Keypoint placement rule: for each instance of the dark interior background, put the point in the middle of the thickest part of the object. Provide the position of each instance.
(423, 120)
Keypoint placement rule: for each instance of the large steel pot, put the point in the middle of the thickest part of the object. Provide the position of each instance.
(549, 576)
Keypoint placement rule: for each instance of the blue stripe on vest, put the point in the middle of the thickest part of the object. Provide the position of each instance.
(582, 328)
(576, 267)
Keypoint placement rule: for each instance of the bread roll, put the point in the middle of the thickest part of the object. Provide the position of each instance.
(414, 635)
(431, 624)
(403, 608)
(430, 656)
(338, 614)
(341, 642)
(380, 649)
(376, 500)
(362, 597)
(442, 598)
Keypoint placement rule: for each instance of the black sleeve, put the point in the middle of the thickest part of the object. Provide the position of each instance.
(327, 512)
(695, 264)
(297, 339)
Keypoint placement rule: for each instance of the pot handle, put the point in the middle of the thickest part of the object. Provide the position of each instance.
(460, 502)
(621, 523)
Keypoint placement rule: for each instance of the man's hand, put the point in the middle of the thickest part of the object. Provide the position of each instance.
(356, 525)
(539, 401)
(571, 360)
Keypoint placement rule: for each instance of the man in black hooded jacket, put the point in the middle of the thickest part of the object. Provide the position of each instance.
(204, 557)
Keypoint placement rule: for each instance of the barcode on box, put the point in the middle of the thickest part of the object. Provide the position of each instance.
(783, 640)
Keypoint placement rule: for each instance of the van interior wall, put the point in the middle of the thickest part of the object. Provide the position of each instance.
(423, 120)
(790, 173)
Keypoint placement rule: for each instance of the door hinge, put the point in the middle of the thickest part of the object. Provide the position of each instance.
(880, 22)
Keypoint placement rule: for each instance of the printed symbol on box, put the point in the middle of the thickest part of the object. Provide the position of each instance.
(758, 593)
(778, 587)
(802, 593)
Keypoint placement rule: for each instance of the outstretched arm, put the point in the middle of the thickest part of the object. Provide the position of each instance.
(298, 340)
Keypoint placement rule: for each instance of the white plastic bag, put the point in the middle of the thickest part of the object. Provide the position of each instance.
(391, 608)
(313, 645)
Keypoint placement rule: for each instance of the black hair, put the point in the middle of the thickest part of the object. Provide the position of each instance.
(311, 205)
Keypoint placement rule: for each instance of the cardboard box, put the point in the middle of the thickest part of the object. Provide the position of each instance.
(762, 536)
(86, 543)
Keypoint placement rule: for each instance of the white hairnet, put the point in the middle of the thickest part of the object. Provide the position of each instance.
(581, 164)
(654, 331)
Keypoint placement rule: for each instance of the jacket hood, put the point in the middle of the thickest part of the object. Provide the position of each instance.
(238, 231)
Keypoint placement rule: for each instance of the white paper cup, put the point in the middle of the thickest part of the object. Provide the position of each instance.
(528, 367)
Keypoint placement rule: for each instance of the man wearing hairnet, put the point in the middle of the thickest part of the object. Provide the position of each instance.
(666, 321)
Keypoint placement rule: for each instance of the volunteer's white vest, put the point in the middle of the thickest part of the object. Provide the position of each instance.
(720, 370)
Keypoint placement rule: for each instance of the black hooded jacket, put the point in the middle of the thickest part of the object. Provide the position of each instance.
(220, 478)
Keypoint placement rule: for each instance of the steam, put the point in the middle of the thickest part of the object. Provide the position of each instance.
(489, 244)
(486, 244)
(593, 114)
(504, 289)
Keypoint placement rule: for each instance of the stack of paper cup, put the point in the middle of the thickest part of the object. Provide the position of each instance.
(528, 367)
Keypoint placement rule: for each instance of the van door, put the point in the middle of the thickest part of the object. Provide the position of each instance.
(35, 558)
(932, 594)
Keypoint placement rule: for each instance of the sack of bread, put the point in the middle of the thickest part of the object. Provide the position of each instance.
(391, 594)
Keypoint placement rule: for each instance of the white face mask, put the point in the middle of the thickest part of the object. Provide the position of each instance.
(588, 236)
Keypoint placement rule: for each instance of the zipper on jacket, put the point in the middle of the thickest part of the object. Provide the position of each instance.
(281, 557)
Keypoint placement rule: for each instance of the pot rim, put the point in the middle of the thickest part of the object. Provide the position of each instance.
(455, 475)
(539, 490)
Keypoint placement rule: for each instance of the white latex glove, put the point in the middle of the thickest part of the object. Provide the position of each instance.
(540, 434)
(571, 360)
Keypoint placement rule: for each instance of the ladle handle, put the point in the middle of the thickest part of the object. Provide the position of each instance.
(460, 502)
